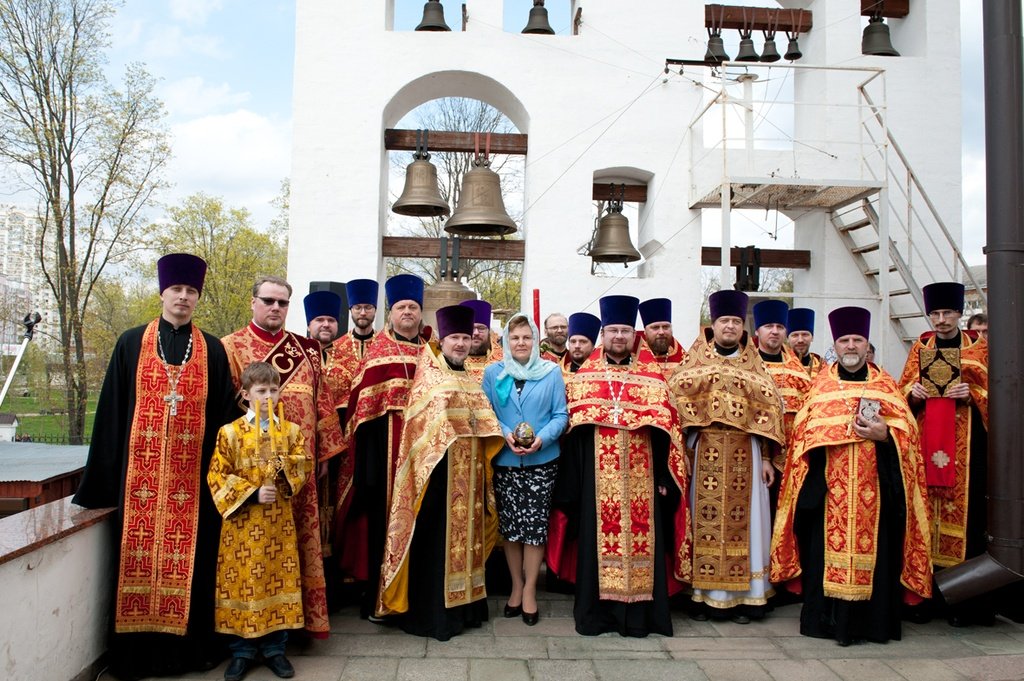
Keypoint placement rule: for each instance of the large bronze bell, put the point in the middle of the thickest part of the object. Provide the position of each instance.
(612, 243)
(876, 40)
(433, 17)
(480, 210)
(421, 197)
(538, 22)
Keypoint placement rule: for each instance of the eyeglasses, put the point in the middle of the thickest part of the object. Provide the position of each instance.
(281, 302)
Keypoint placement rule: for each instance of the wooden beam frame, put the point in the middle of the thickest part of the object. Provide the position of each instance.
(515, 249)
(891, 9)
(782, 258)
(758, 18)
(441, 140)
(469, 248)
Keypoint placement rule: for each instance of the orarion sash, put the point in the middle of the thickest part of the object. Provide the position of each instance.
(162, 488)
(938, 441)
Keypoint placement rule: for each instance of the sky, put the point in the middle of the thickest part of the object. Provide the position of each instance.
(224, 70)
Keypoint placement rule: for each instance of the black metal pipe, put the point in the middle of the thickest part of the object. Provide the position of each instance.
(1004, 164)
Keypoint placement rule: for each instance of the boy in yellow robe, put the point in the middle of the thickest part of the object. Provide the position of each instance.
(260, 462)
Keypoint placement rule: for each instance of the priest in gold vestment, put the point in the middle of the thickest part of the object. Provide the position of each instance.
(732, 412)
(852, 527)
(443, 521)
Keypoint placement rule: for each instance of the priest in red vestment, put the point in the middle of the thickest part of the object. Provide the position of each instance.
(952, 414)
(656, 315)
(308, 404)
(852, 527)
(621, 529)
(166, 393)
(373, 429)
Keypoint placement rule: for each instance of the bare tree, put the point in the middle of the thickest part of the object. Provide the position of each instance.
(90, 152)
(496, 281)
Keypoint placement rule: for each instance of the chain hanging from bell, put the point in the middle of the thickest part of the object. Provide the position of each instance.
(421, 197)
(611, 239)
(876, 40)
(480, 210)
(770, 53)
(433, 17)
(538, 23)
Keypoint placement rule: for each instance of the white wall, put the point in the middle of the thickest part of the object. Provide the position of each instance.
(56, 601)
(589, 102)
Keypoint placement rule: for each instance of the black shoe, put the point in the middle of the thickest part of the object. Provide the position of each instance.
(281, 667)
(237, 668)
(959, 621)
(513, 610)
(740, 619)
(699, 616)
(531, 618)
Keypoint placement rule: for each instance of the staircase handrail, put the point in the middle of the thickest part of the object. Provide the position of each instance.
(924, 195)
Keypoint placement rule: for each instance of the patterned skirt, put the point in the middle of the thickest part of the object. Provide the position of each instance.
(524, 501)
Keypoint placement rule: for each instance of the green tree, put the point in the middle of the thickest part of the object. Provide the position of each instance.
(91, 153)
(235, 252)
(120, 302)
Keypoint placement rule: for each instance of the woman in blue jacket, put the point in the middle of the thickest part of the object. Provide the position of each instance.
(523, 388)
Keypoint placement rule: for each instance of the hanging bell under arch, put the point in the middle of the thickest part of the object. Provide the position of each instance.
(876, 40)
(538, 23)
(433, 17)
(612, 242)
(716, 48)
(480, 210)
(421, 197)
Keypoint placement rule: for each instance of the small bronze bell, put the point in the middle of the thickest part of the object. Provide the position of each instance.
(538, 22)
(480, 210)
(612, 243)
(876, 40)
(770, 53)
(793, 51)
(747, 51)
(433, 17)
(421, 197)
(716, 48)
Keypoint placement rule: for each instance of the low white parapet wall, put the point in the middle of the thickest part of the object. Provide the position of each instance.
(55, 566)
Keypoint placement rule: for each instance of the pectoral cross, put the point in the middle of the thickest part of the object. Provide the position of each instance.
(615, 411)
(172, 398)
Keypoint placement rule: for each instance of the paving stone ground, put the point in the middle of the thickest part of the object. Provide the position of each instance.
(772, 650)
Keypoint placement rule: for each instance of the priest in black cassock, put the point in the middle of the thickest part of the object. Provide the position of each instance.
(166, 393)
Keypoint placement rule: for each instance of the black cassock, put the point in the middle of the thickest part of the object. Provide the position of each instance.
(134, 655)
(878, 618)
(575, 496)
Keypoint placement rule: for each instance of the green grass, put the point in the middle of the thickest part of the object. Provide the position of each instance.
(34, 422)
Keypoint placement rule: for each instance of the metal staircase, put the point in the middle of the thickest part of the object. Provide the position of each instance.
(916, 235)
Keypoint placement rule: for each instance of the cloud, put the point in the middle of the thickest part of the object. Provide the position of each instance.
(194, 11)
(240, 156)
(166, 41)
(973, 213)
(193, 96)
